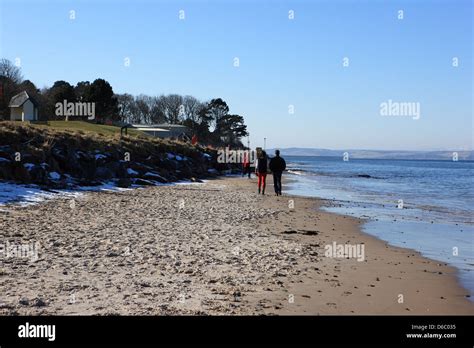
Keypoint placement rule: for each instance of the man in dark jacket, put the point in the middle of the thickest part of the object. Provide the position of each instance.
(277, 166)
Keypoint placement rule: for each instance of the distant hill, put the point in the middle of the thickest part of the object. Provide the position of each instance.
(376, 154)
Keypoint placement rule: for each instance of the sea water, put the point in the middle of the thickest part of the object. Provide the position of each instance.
(423, 205)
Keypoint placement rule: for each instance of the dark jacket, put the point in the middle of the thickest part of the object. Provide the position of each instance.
(261, 165)
(277, 164)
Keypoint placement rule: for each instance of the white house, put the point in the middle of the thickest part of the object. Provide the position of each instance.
(23, 108)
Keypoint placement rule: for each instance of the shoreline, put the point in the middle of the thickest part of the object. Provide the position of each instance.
(403, 232)
(212, 248)
(446, 270)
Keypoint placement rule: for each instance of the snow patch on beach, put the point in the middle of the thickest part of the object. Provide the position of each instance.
(186, 182)
(24, 195)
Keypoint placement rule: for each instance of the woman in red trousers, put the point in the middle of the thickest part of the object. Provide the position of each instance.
(261, 171)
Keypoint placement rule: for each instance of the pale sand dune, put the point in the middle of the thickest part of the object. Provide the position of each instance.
(215, 248)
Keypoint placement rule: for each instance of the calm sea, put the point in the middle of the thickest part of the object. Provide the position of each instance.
(423, 205)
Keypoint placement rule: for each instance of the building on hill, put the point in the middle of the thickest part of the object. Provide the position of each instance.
(23, 108)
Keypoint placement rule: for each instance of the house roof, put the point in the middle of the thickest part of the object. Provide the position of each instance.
(169, 125)
(150, 129)
(161, 125)
(20, 99)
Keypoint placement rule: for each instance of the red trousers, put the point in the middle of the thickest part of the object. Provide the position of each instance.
(261, 180)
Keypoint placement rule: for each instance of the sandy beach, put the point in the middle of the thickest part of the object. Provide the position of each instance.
(214, 248)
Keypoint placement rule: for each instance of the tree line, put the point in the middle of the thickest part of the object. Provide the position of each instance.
(210, 121)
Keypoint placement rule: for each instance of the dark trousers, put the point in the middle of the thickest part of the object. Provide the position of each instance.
(277, 182)
(246, 170)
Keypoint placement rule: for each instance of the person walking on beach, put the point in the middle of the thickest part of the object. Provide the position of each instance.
(246, 165)
(277, 166)
(261, 171)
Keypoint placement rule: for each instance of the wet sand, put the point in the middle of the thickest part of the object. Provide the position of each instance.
(214, 248)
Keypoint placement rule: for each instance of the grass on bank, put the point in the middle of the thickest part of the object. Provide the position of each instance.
(83, 126)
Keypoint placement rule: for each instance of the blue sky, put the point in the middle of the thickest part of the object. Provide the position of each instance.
(283, 62)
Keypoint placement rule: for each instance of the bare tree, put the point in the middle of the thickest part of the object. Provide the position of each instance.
(157, 114)
(216, 110)
(173, 104)
(142, 112)
(10, 78)
(192, 106)
(125, 104)
(10, 71)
